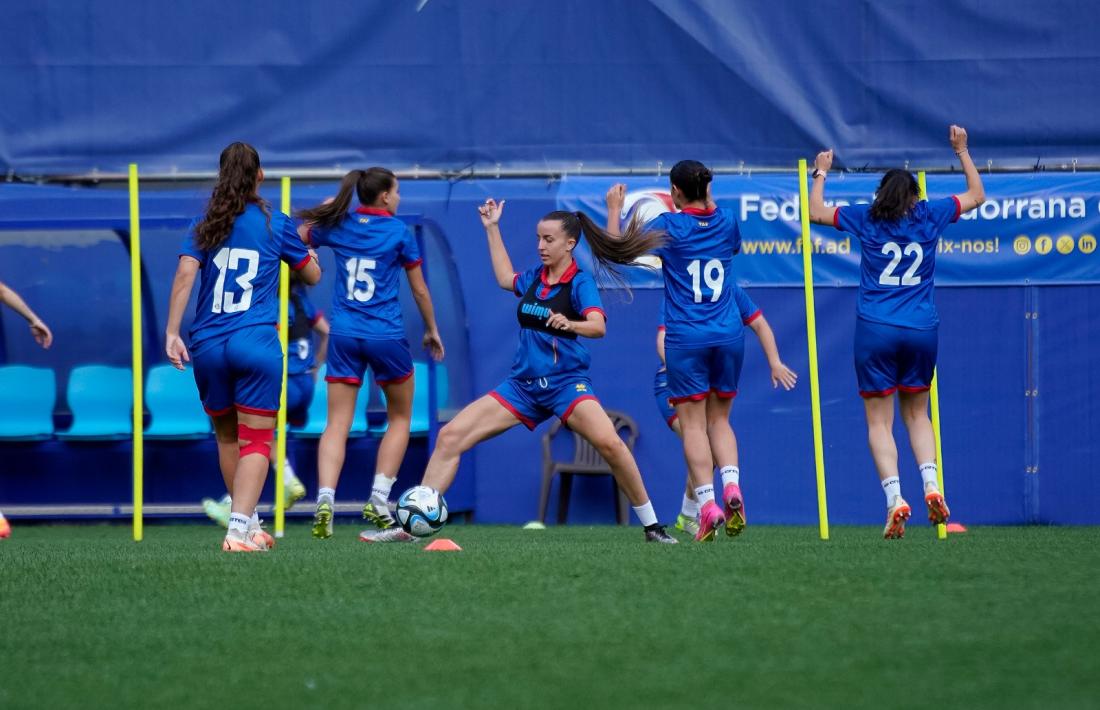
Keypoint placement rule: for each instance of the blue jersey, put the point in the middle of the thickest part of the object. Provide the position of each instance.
(301, 317)
(745, 308)
(897, 263)
(239, 281)
(697, 263)
(372, 247)
(543, 352)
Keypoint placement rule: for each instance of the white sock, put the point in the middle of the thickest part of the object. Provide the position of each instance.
(892, 488)
(929, 472)
(382, 486)
(288, 473)
(254, 521)
(326, 495)
(731, 474)
(704, 495)
(645, 513)
(689, 508)
(238, 524)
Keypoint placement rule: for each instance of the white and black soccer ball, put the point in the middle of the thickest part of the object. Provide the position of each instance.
(421, 511)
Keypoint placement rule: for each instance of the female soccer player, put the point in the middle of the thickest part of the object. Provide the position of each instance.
(559, 304)
(897, 324)
(236, 246)
(372, 248)
(41, 334)
(703, 341)
(303, 361)
(753, 317)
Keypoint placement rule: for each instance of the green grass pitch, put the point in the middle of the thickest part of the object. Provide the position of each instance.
(577, 617)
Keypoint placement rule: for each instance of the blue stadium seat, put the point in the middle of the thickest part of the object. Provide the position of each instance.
(101, 399)
(419, 424)
(317, 414)
(27, 398)
(172, 398)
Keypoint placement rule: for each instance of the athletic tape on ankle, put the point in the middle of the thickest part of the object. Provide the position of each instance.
(259, 440)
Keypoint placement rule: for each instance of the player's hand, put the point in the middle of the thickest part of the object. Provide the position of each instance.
(41, 333)
(176, 351)
(433, 344)
(783, 375)
(824, 160)
(957, 135)
(559, 322)
(616, 197)
(490, 212)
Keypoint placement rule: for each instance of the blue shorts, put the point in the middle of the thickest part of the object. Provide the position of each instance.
(299, 395)
(890, 358)
(348, 358)
(244, 371)
(693, 373)
(534, 401)
(660, 393)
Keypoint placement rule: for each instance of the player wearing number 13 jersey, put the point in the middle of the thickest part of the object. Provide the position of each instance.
(897, 324)
(236, 247)
(372, 249)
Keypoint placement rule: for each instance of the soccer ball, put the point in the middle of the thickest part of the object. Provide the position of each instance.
(421, 511)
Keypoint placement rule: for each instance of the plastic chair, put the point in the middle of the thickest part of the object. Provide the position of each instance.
(101, 399)
(418, 425)
(317, 414)
(27, 399)
(586, 462)
(173, 401)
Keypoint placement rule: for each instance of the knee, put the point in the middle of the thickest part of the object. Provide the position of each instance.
(449, 439)
(610, 447)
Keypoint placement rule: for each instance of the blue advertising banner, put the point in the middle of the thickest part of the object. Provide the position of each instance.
(1032, 229)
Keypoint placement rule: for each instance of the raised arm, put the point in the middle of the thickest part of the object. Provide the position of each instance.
(181, 291)
(39, 330)
(819, 213)
(781, 374)
(502, 266)
(616, 198)
(432, 342)
(975, 191)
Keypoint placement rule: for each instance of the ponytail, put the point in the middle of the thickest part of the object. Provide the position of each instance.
(692, 178)
(367, 184)
(238, 178)
(610, 253)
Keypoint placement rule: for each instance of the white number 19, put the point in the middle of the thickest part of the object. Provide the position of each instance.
(713, 275)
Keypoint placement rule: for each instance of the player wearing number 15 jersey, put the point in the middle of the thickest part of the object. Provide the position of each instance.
(897, 324)
(372, 249)
(236, 247)
(703, 339)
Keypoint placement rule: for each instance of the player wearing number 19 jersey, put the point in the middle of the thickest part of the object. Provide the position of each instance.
(236, 248)
(372, 248)
(897, 325)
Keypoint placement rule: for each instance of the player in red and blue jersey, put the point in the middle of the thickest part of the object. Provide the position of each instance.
(303, 360)
(559, 305)
(236, 247)
(372, 249)
(897, 324)
(41, 334)
(753, 317)
(703, 343)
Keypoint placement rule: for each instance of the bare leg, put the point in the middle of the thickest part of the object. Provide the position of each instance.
(225, 434)
(693, 423)
(723, 443)
(391, 451)
(590, 421)
(251, 469)
(333, 445)
(914, 412)
(482, 419)
(880, 435)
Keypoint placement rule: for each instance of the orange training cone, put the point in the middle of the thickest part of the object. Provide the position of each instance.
(956, 528)
(442, 545)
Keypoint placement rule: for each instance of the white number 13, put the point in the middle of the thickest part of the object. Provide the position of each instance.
(909, 278)
(713, 275)
(226, 260)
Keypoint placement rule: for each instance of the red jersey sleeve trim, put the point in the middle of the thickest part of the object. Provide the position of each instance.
(836, 217)
(301, 264)
(317, 318)
(958, 208)
(753, 317)
(660, 328)
(515, 282)
(413, 264)
(590, 309)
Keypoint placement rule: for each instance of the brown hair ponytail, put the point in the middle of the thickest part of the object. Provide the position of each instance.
(610, 253)
(367, 184)
(238, 178)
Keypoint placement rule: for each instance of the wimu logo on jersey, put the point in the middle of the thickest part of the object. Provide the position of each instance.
(530, 309)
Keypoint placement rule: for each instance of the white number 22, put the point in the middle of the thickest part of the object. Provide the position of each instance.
(909, 278)
(227, 260)
(713, 275)
(359, 272)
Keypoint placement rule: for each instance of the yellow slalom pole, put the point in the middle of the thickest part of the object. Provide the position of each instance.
(280, 422)
(136, 364)
(811, 338)
(934, 395)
